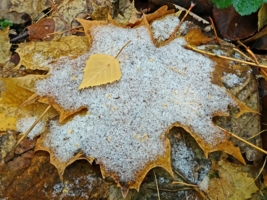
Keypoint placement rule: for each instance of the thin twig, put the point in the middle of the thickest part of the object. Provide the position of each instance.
(32, 126)
(192, 14)
(240, 52)
(54, 6)
(241, 139)
(249, 51)
(264, 163)
(183, 183)
(180, 175)
(157, 186)
(214, 30)
(180, 23)
(224, 57)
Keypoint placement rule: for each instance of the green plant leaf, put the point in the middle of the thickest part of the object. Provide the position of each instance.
(246, 7)
(5, 23)
(223, 3)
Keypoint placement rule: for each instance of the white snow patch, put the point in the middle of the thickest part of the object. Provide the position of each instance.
(25, 123)
(128, 119)
(204, 184)
(162, 30)
(231, 80)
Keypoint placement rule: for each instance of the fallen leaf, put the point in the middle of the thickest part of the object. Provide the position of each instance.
(196, 37)
(262, 16)
(231, 183)
(5, 46)
(100, 69)
(233, 26)
(161, 12)
(68, 11)
(41, 30)
(38, 55)
(32, 7)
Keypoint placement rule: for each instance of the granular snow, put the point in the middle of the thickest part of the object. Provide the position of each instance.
(231, 80)
(127, 120)
(25, 123)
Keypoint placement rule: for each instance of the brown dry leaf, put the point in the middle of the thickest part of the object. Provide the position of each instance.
(161, 12)
(231, 183)
(5, 46)
(232, 26)
(100, 69)
(258, 35)
(32, 7)
(41, 181)
(196, 37)
(41, 29)
(37, 55)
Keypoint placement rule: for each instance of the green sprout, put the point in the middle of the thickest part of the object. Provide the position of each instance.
(5, 23)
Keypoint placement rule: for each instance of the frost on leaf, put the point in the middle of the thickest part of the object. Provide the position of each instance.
(127, 121)
(100, 69)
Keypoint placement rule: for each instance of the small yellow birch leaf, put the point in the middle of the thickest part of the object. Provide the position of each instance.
(100, 69)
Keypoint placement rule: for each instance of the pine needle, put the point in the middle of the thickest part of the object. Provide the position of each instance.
(241, 139)
(157, 186)
(32, 126)
(264, 163)
(224, 57)
(257, 134)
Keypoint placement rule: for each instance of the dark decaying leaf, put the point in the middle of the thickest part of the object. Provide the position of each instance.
(233, 26)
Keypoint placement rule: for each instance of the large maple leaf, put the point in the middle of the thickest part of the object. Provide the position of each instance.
(127, 121)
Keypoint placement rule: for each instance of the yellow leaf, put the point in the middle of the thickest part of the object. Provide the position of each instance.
(38, 55)
(100, 69)
(231, 182)
(5, 46)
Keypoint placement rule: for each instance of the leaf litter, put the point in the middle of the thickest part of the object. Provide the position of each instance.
(116, 128)
(126, 122)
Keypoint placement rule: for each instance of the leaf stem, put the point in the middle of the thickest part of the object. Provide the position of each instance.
(122, 48)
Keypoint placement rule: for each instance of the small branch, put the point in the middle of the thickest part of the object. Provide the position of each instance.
(192, 14)
(23, 35)
(214, 30)
(180, 23)
(54, 6)
(224, 57)
(249, 51)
